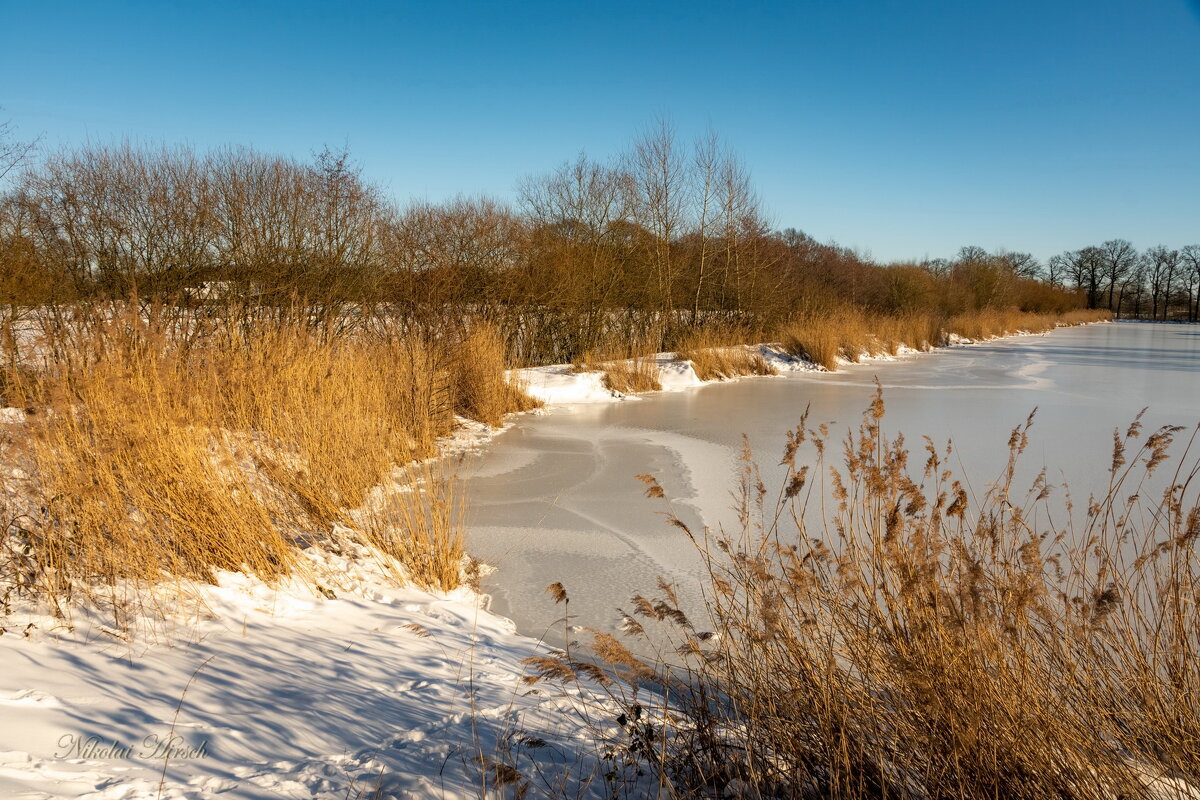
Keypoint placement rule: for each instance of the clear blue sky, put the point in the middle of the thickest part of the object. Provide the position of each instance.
(903, 128)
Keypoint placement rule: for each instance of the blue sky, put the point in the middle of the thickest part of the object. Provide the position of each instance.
(901, 128)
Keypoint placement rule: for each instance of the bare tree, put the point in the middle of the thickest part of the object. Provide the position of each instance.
(455, 252)
(937, 267)
(1190, 262)
(972, 254)
(660, 182)
(740, 212)
(347, 212)
(1119, 256)
(1023, 265)
(707, 162)
(13, 152)
(1083, 268)
(1057, 269)
(1133, 287)
(1161, 264)
(581, 210)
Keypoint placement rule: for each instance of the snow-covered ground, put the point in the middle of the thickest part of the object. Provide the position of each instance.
(365, 689)
(374, 691)
(560, 384)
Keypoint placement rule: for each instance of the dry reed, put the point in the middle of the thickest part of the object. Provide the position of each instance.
(850, 335)
(172, 445)
(632, 376)
(628, 361)
(720, 352)
(913, 643)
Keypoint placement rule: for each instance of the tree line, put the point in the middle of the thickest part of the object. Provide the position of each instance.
(668, 228)
(1159, 283)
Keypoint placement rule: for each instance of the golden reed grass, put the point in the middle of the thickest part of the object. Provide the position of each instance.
(627, 360)
(850, 334)
(875, 631)
(171, 445)
(719, 352)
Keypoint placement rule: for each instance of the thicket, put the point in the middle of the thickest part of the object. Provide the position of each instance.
(664, 239)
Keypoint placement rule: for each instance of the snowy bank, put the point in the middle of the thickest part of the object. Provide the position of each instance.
(361, 690)
(563, 384)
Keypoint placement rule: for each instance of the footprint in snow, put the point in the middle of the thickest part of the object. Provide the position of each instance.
(31, 697)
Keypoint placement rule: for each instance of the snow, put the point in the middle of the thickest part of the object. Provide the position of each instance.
(285, 692)
(561, 384)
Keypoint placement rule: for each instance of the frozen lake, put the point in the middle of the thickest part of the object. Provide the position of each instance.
(555, 498)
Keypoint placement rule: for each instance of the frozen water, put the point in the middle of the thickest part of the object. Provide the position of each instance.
(555, 498)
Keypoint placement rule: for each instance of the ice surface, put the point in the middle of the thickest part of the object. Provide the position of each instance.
(555, 499)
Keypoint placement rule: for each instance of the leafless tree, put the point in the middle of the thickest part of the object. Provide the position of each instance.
(1118, 256)
(707, 162)
(1023, 265)
(660, 184)
(1161, 264)
(1057, 269)
(1084, 269)
(13, 152)
(582, 201)
(1190, 268)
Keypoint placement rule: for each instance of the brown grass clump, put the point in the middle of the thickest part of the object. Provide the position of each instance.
(632, 376)
(916, 643)
(629, 364)
(719, 352)
(419, 523)
(854, 337)
(918, 330)
(481, 390)
(171, 445)
(815, 339)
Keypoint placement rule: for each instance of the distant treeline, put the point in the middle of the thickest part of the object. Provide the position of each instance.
(1159, 283)
(666, 228)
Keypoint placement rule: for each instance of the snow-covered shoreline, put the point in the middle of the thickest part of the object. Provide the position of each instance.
(363, 689)
(340, 687)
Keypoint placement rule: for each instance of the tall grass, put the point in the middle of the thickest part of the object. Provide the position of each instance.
(718, 352)
(170, 445)
(627, 359)
(481, 391)
(850, 334)
(987, 323)
(814, 339)
(911, 642)
(630, 376)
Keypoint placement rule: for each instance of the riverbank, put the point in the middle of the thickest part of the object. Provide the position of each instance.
(339, 684)
(568, 384)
